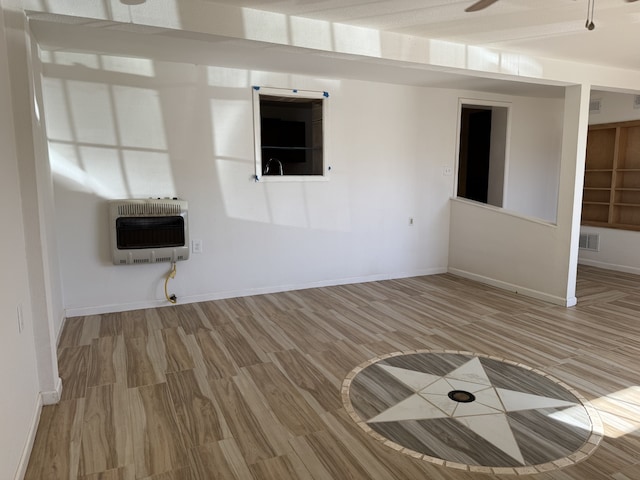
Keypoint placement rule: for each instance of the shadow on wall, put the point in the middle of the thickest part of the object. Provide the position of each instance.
(123, 127)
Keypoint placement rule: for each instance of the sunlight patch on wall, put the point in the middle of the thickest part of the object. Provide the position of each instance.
(107, 139)
(233, 130)
(483, 59)
(102, 167)
(310, 33)
(458, 55)
(405, 48)
(448, 54)
(90, 112)
(232, 147)
(528, 67)
(128, 65)
(139, 117)
(109, 63)
(227, 77)
(510, 63)
(89, 60)
(148, 174)
(56, 110)
(67, 172)
(265, 26)
(242, 199)
(357, 41)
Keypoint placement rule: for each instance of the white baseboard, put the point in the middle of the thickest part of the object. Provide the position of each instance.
(123, 307)
(44, 398)
(609, 266)
(31, 437)
(54, 396)
(528, 292)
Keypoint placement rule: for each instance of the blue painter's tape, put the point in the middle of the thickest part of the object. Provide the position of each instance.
(256, 88)
(295, 90)
(325, 94)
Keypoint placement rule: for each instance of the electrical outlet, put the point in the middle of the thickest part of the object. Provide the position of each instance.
(447, 171)
(20, 318)
(196, 246)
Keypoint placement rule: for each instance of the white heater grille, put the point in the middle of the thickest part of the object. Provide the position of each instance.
(134, 208)
(149, 231)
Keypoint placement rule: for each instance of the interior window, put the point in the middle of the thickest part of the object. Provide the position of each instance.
(289, 133)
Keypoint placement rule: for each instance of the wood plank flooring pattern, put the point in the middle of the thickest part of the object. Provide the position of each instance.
(249, 388)
(505, 415)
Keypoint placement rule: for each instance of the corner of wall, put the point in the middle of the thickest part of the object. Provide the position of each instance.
(53, 396)
(31, 437)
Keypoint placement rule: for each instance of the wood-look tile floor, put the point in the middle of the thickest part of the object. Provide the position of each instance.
(472, 412)
(250, 388)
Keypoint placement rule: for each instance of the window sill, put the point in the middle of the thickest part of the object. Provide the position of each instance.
(291, 178)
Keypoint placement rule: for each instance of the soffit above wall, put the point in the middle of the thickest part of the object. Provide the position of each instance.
(76, 34)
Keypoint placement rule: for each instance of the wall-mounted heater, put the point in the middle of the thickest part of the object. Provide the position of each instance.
(149, 231)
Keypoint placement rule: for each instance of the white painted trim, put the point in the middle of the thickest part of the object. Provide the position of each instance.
(59, 332)
(257, 142)
(504, 211)
(52, 397)
(462, 101)
(528, 292)
(609, 266)
(31, 437)
(44, 398)
(100, 309)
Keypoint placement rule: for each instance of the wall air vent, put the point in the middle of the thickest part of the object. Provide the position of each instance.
(148, 231)
(595, 105)
(589, 241)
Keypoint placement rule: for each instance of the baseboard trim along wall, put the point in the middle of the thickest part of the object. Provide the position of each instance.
(54, 396)
(124, 307)
(31, 437)
(609, 266)
(565, 302)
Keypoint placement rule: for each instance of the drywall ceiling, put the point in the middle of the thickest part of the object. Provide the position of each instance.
(546, 28)
(542, 28)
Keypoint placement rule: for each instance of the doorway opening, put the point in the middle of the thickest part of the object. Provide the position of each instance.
(482, 153)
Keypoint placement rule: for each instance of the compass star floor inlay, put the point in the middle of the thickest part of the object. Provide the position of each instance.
(471, 411)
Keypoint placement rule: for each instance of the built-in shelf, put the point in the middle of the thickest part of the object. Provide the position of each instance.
(611, 195)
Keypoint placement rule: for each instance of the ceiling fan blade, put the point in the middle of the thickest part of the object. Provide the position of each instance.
(481, 5)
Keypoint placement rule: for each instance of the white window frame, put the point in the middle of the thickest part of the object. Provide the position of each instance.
(257, 132)
(462, 102)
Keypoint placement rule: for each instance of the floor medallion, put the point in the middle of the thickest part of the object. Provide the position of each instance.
(472, 412)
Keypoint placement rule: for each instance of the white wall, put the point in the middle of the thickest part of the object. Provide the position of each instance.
(614, 107)
(19, 402)
(506, 250)
(498, 156)
(619, 249)
(526, 255)
(122, 127)
(534, 157)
